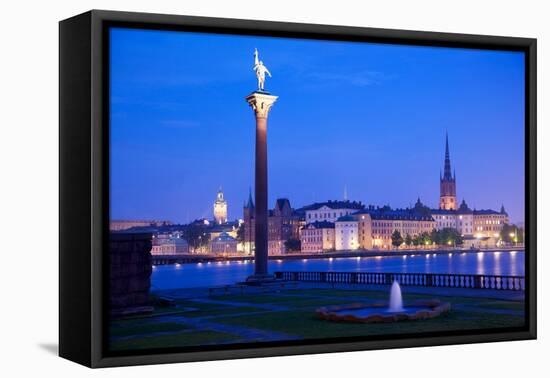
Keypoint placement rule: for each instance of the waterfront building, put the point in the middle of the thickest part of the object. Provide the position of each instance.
(330, 211)
(169, 244)
(346, 233)
(447, 183)
(283, 224)
(230, 228)
(461, 219)
(121, 225)
(223, 244)
(220, 208)
(480, 224)
(489, 223)
(317, 237)
(376, 225)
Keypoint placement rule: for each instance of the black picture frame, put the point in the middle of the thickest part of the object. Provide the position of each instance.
(84, 182)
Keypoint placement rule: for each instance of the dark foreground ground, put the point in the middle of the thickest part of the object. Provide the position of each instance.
(203, 317)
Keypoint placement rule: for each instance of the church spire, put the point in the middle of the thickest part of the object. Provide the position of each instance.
(250, 203)
(447, 172)
(447, 182)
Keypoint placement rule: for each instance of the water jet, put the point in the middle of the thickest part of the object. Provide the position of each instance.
(392, 311)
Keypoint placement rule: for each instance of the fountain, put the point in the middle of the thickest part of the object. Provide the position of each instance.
(385, 312)
(396, 300)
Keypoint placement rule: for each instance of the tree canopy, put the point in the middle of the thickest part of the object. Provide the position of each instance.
(396, 238)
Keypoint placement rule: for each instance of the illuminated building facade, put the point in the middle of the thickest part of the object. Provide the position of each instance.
(461, 219)
(223, 244)
(376, 225)
(330, 211)
(317, 237)
(346, 233)
(168, 244)
(489, 223)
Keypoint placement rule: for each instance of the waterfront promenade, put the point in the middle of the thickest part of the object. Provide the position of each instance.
(196, 258)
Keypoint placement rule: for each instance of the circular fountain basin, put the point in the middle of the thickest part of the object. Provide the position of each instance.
(380, 313)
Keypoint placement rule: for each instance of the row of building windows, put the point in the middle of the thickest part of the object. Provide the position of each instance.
(327, 215)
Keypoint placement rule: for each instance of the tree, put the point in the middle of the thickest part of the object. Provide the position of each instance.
(425, 238)
(511, 234)
(436, 237)
(196, 236)
(396, 239)
(416, 240)
(520, 234)
(449, 236)
(240, 233)
(408, 240)
(293, 245)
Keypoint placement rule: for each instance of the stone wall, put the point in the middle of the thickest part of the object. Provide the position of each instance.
(130, 273)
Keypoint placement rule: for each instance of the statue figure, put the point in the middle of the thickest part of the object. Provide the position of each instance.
(261, 70)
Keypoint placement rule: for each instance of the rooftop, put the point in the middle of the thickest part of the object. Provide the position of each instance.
(317, 224)
(346, 218)
(224, 237)
(487, 212)
(354, 205)
(385, 212)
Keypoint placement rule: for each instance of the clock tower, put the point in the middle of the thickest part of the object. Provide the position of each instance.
(220, 208)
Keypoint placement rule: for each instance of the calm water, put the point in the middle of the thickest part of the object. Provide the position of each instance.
(218, 273)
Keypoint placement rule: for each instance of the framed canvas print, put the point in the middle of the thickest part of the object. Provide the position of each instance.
(234, 188)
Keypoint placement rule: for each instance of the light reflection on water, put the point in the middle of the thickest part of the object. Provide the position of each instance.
(206, 274)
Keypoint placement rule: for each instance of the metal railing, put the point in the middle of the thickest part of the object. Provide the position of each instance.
(466, 281)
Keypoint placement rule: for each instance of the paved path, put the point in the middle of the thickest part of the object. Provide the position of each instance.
(265, 306)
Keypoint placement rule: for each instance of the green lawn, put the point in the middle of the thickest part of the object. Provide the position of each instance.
(123, 328)
(171, 341)
(304, 323)
(295, 316)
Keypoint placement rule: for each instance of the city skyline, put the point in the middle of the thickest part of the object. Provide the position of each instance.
(349, 116)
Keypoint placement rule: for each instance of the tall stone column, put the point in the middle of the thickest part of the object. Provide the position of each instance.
(261, 103)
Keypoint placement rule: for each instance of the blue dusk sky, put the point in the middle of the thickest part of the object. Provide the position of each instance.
(369, 117)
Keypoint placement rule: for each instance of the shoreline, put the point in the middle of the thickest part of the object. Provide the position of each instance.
(197, 258)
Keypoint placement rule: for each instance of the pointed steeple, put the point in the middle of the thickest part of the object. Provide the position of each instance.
(447, 171)
(446, 145)
(345, 193)
(447, 182)
(250, 204)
